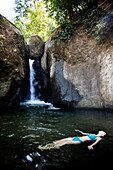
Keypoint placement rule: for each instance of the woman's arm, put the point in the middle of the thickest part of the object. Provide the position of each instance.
(83, 133)
(97, 140)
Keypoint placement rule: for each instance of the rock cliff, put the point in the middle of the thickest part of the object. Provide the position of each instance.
(81, 72)
(78, 72)
(12, 62)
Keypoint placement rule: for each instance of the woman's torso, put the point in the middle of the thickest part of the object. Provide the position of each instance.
(86, 138)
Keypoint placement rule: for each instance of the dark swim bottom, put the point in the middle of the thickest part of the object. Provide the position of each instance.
(77, 139)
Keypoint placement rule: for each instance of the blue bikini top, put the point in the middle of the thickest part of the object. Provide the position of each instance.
(92, 137)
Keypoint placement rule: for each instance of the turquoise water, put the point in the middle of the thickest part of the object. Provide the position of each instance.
(24, 128)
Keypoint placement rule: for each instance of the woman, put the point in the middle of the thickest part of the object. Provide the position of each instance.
(76, 140)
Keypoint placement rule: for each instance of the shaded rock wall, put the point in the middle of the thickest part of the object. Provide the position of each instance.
(81, 72)
(45, 74)
(12, 62)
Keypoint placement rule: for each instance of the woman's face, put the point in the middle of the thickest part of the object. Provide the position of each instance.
(102, 133)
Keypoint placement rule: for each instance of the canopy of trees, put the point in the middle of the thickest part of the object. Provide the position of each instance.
(32, 18)
(41, 17)
(68, 10)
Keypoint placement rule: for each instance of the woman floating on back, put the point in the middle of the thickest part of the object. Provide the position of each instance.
(76, 140)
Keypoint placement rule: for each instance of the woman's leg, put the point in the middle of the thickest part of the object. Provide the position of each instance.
(66, 141)
(57, 144)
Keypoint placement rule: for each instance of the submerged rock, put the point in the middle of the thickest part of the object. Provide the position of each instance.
(12, 62)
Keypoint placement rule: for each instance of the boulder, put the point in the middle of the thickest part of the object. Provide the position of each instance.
(12, 62)
(80, 72)
(45, 74)
(36, 47)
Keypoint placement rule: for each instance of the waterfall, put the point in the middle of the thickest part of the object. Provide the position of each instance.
(32, 80)
(33, 83)
(33, 99)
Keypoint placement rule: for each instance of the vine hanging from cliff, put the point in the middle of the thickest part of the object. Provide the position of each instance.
(96, 22)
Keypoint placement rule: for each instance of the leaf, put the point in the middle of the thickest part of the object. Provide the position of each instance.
(34, 20)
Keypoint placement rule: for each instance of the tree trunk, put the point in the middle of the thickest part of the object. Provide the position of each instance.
(71, 14)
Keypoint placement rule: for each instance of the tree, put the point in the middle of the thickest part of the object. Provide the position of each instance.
(66, 11)
(32, 18)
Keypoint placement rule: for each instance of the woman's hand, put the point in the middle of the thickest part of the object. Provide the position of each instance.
(76, 130)
(83, 133)
(90, 147)
(97, 140)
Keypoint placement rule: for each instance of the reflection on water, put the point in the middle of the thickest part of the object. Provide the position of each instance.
(23, 128)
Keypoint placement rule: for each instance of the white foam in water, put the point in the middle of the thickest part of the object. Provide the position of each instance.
(35, 102)
(53, 108)
(41, 103)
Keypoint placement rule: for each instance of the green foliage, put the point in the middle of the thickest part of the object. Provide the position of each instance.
(23, 7)
(68, 30)
(66, 11)
(71, 14)
(93, 23)
(89, 19)
(32, 18)
(35, 17)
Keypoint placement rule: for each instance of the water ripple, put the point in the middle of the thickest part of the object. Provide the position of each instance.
(31, 136)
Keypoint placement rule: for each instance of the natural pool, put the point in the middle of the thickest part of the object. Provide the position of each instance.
(23, 128)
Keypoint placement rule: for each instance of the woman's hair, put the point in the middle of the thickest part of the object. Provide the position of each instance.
(102, 133)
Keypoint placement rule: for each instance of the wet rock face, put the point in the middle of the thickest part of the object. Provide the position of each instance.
(81, 73)
(12, 63)
(36, 47)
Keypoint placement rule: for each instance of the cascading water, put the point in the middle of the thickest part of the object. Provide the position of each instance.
(32, 78)
(33, 99)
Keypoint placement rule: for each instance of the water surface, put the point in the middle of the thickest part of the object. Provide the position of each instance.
(23, 128)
